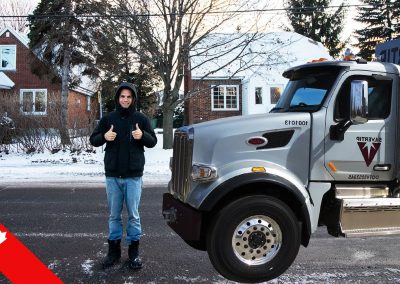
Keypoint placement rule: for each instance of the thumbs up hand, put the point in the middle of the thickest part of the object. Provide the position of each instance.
(110, 135)
(137, 133)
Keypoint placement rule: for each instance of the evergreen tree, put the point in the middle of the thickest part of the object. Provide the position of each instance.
(59, 37)
(382, 20)
(118, 58)
(312, 19)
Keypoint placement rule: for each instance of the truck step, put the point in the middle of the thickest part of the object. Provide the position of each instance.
(361, 191)
(361, 217)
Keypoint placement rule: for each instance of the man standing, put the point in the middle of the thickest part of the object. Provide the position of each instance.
(125, 132)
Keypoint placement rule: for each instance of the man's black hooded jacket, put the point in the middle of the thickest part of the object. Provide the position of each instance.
(124, 157)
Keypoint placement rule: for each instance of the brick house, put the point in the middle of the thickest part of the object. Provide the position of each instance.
(36, 97)
(249, 84)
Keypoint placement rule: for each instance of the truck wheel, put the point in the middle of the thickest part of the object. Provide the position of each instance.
(253, 239)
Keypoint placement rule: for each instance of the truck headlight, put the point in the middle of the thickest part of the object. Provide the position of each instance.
(203, 173)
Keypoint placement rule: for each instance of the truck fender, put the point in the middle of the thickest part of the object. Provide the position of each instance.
(230, 185)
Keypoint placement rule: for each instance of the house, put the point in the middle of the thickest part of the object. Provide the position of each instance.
(242, 76)
(25, 95)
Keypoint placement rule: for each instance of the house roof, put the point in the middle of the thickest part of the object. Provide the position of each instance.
(23, 38)
(5, 82)
(87, 86)
(243, 56)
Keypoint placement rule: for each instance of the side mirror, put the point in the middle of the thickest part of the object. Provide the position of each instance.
(359, 102)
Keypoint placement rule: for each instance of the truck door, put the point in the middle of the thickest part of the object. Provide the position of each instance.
(367, 152)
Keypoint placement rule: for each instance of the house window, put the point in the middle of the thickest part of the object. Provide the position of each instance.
(33, 101)
(275, 93)
(225, 97)
(258, 94)
(8, 57)
(88, 103)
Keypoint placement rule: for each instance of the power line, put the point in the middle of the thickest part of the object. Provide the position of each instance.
(298, 10)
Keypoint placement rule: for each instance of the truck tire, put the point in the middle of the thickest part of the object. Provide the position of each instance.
(253, 239)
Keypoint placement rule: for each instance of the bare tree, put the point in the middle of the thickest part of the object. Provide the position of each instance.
(15, 12)
(167, 30)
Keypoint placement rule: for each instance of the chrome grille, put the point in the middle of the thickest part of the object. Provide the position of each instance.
(181, 164)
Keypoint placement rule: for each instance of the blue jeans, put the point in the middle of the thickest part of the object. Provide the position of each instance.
(120, 190)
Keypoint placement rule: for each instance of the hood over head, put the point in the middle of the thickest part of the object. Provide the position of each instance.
(132, 88)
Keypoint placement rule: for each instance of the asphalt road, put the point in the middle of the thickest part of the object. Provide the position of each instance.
(65, 227)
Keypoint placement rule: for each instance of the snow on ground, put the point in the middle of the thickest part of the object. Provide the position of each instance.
(73, 168)
(87, 267)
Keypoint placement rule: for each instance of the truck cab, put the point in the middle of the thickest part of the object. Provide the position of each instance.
(251, 189)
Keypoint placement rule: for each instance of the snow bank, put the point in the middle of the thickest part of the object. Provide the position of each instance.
(85, 167)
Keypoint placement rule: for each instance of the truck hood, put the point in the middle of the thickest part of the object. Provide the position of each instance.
(223, 142)
(207, 134)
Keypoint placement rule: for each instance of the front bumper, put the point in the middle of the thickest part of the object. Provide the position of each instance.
(183, 219)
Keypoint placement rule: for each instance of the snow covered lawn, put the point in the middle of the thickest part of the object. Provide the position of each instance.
(70, 167)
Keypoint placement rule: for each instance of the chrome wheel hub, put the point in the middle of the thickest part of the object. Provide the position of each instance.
(257, 240)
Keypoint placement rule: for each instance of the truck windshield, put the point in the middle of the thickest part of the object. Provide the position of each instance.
(307, 89)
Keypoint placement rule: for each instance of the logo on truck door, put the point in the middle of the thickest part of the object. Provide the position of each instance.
(368, 147)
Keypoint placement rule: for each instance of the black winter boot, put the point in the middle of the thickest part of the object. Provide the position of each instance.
(114, 253)
(134, 261)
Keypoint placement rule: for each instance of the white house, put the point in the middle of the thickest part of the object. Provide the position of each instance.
(233, 74)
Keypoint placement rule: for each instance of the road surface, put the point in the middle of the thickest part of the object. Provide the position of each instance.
(65, 226)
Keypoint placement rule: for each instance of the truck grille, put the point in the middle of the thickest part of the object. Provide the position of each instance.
(181, 164)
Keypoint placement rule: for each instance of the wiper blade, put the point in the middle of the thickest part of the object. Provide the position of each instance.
(276, 108)
(303, 108)
(301, 104)
(298, 107)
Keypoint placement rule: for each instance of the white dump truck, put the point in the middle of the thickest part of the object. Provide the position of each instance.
(251, 189)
